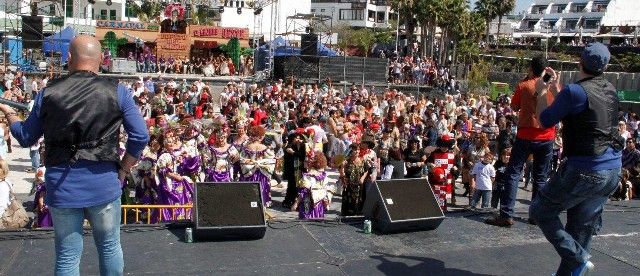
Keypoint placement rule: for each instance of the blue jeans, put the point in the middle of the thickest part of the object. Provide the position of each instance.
(486, 197)
(35, 159)
(583, 194)
(542, 152)
(105, 226)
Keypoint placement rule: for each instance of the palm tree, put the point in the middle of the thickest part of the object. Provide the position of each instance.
(450, 11)
(407, 10)
(488, 10)
(503, 7)
(147, 11)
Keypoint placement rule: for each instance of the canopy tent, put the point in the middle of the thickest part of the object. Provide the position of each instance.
(59, 43)
(282, 48)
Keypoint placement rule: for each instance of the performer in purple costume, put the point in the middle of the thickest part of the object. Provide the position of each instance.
(222, 155)
(314, 190)
(257, 163)
(43, 216)
(194, 142)
(239, 141)
(145, 174)
(175, 189)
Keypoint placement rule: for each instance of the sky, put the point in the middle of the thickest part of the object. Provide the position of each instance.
(520, 5)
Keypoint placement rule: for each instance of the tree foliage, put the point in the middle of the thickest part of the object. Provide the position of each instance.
(488, 10)
(112, 42)
(147, 11)
(479, 77)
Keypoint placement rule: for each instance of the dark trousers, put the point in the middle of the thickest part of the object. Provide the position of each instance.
(292, 190)
(542, 152)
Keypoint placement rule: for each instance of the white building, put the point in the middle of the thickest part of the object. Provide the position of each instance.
(270, 22)
(572, 19)
(355, 13)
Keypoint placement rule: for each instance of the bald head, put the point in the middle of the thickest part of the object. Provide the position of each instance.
(85, 53)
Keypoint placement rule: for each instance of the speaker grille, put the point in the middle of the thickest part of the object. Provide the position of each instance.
(229, 204)
(409, 199)
(309, 44)
(32, 32)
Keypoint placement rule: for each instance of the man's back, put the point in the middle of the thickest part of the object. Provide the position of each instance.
(524, 101)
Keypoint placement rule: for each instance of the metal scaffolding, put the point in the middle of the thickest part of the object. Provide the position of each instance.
(27, 59)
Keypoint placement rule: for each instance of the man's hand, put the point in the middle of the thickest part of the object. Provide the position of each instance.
(5, 108)
(552, 85)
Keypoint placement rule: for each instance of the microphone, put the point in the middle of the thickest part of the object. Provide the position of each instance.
(15, 105)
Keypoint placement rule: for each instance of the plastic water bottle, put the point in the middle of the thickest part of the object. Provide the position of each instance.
(367, 227)
(188, 235)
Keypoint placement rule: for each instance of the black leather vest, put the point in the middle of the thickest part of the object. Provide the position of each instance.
(592, 131)
(81, 119)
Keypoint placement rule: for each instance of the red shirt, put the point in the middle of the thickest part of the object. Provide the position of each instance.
(524, 101)
(258, 115)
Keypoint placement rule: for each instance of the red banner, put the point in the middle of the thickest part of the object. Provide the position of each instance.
(218, 32)
(176, 45)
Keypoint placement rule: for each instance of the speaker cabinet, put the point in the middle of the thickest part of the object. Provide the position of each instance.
(231, 210)
(309, 44)
(122, 65)
(32, 32)
(402, 206)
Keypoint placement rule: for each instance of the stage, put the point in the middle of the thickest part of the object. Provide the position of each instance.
(462, 245)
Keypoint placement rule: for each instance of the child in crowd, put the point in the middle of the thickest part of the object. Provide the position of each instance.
(501, 178)
(483, 176)
(624, 191)
(43, 216)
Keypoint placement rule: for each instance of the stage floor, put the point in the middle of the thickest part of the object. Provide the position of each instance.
(462, 245)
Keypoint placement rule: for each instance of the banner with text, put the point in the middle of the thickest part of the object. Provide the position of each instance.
(176, 45)
(218, 32)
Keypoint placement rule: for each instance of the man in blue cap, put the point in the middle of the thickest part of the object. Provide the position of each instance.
(588, 111)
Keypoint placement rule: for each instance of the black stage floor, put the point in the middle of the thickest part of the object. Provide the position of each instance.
(462, 245)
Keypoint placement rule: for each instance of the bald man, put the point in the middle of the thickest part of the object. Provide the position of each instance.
(80, 116)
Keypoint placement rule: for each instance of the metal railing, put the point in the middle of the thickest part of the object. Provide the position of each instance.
(139, 210)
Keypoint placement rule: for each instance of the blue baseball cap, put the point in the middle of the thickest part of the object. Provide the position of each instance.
(595, 57)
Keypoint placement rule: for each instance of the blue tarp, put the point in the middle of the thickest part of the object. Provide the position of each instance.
(282, 48)
(59, 42)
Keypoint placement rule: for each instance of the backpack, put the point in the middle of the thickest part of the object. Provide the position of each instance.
(15, 216)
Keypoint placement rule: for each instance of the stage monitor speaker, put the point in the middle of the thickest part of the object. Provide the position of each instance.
(402, 206)
(122, 65)
(230, 210)
(309, 45)
(32, 32)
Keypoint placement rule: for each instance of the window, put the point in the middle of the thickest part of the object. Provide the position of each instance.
(380, 17)
(68, 4)
(571, 24)
(103, 15)
(591, 24)
(371, 15)
(578, 8)
(112, 15)
(52, 10)
(313, 10)
(351, 14)
(322, 10)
